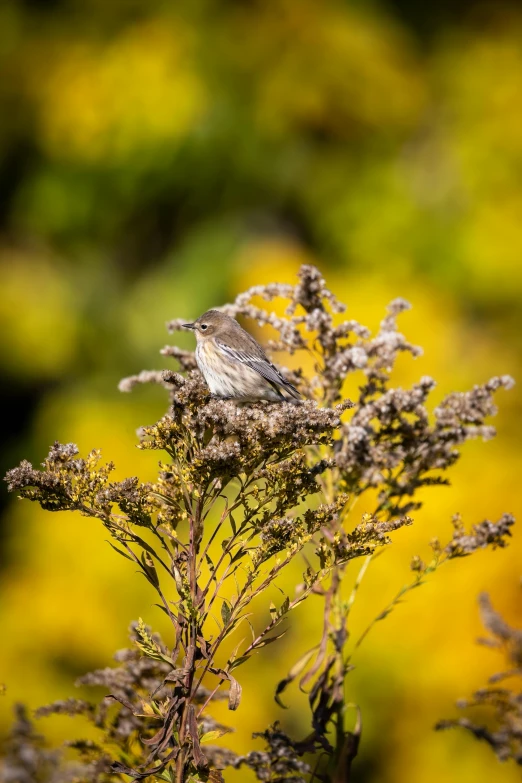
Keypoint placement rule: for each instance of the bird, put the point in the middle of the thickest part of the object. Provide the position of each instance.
(234, 365)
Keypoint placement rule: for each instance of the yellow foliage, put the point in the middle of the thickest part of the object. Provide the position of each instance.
(117, 98)
(37, 315)
(358, 59)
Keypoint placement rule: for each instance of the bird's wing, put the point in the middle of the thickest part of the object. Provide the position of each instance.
(261, 365)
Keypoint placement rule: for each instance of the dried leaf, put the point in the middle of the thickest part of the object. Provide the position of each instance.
(294, 672)
(199, 757)
(120, 552)
(234, 696)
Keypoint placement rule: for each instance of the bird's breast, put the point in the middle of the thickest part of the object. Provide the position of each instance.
(220, 375)
(228, 378)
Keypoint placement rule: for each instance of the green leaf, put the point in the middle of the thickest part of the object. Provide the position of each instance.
(165, 775)
(238, 662)
(233, 654)
(236, 623)
(238, 554)
(211, 736)
(284, 607)
(226, 612)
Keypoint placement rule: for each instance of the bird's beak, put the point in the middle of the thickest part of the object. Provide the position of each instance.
(189, 326)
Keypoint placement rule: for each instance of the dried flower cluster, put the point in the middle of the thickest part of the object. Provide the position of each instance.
(263, 481)
(503, 705)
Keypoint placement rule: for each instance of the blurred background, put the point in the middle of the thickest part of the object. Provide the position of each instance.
(158, 158)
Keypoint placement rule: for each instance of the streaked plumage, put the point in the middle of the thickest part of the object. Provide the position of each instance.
(233, 364)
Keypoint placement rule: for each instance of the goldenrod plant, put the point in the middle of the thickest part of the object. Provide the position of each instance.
(243, 491)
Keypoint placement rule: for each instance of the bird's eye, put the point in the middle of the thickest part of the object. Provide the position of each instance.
(203, 327)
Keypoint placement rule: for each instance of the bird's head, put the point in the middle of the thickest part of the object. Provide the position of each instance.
(211, 324)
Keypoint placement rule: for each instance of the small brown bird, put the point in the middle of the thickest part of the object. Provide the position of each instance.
(233, 364)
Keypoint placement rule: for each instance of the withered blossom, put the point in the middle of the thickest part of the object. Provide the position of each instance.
(269, 483)
(486, 533)
(501, 707)
(27, 759)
